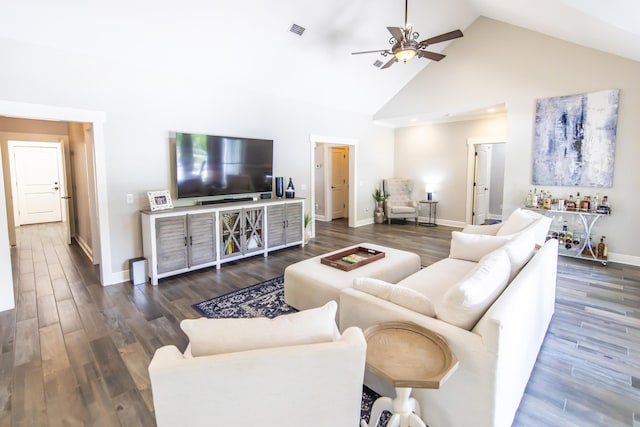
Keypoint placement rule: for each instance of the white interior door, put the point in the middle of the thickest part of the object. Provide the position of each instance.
(339, 182)
(481, 183)
(37, 180)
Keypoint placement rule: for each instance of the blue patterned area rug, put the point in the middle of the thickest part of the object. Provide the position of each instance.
(266, 299)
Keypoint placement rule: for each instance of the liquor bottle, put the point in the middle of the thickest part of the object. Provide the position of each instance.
(578, 200)
(604, 207)
(535, 199)
(585, 205)
(586, 251)
(601, 247)
(290, 192)
(595, 202)
(605, 250)
(568, 237)
(529, 202)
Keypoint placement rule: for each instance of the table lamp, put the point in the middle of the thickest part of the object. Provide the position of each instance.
(428, 188)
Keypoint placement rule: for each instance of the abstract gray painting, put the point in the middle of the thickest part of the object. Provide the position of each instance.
(575, 139)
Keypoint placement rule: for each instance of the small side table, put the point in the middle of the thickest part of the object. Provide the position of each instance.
(427, 212)
(407, 356)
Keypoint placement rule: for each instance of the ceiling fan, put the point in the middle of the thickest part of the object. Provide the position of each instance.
(405, 45)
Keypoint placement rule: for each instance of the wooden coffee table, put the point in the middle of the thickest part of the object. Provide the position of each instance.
(407, 356)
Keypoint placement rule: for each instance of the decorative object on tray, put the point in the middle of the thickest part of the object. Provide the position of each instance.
(575, 138)
(159, 200)
(352, 258)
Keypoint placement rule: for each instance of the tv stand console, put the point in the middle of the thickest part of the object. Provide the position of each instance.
(184, 239)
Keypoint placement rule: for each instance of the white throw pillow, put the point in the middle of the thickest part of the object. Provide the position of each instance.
(405, 297)
(519, 249)
(517, 221)
(217, 336)
(467, 301)
(472, 247)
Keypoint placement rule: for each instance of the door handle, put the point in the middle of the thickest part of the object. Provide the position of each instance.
(65, 197)
(55, 188)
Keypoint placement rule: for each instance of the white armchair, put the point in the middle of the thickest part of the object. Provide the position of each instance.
(399, 203)
(294, 370)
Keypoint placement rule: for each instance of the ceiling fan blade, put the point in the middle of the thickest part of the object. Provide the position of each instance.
(370, 51)
(430, 55)
(441, 38)
(390, 63)
(397, 33)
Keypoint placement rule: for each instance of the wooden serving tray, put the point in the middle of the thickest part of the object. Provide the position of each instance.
(364, 256)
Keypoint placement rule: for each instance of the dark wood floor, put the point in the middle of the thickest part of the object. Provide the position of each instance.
(75, 353)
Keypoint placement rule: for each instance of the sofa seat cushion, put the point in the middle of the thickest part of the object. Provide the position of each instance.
(217, 336)
(466, 302)
(402, 209)
(397, 294)
(435, 280)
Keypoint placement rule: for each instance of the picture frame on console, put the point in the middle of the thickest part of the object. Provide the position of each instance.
(159, 200)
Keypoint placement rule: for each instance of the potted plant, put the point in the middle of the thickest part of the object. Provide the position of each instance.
(379, 197)
(307, 232)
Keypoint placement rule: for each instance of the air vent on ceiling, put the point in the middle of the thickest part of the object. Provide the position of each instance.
(378, 63)
(297, 29)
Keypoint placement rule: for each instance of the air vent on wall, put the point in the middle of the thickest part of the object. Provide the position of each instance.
(297, 29)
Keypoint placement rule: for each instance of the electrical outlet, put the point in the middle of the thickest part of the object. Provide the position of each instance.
(129, 199)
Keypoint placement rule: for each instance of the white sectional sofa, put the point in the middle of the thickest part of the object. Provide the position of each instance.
(492, 300)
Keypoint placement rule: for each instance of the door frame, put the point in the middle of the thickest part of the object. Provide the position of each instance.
(353, 191)
(62, 179)
(471, 150)
(102, 242)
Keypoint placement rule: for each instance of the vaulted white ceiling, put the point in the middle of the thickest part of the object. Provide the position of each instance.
(247, 43)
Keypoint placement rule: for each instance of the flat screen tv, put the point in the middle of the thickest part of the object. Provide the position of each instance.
(208, 165)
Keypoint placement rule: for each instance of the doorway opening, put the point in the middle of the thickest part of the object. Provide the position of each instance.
(333, 164)
(88, 122)
(485, 179)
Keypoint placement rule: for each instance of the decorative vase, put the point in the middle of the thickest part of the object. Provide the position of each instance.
(378, 217)
(279, 187)
(290, 192)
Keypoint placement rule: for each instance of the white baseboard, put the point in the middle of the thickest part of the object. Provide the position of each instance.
(85, 247)
(624, 259)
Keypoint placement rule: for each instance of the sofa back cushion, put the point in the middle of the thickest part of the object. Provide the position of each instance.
(466, 301)
(217, 336)
(526, 220)
(472, 247)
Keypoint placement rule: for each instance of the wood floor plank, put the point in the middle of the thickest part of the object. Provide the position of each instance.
(27, 346)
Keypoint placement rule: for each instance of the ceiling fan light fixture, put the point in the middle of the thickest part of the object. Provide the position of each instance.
(404, 53)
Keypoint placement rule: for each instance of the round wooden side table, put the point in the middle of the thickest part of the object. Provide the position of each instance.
(407, 356)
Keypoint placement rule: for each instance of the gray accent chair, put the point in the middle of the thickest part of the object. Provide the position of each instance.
(399, 203)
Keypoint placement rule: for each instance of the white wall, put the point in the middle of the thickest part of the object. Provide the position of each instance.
(496, 63)
(437, 154)
(142, 106)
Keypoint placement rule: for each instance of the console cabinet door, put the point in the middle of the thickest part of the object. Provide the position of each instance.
(276, 225)
(230, 233)
(253, 235)
(202, 238)
(293, 222)
(171, 243)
